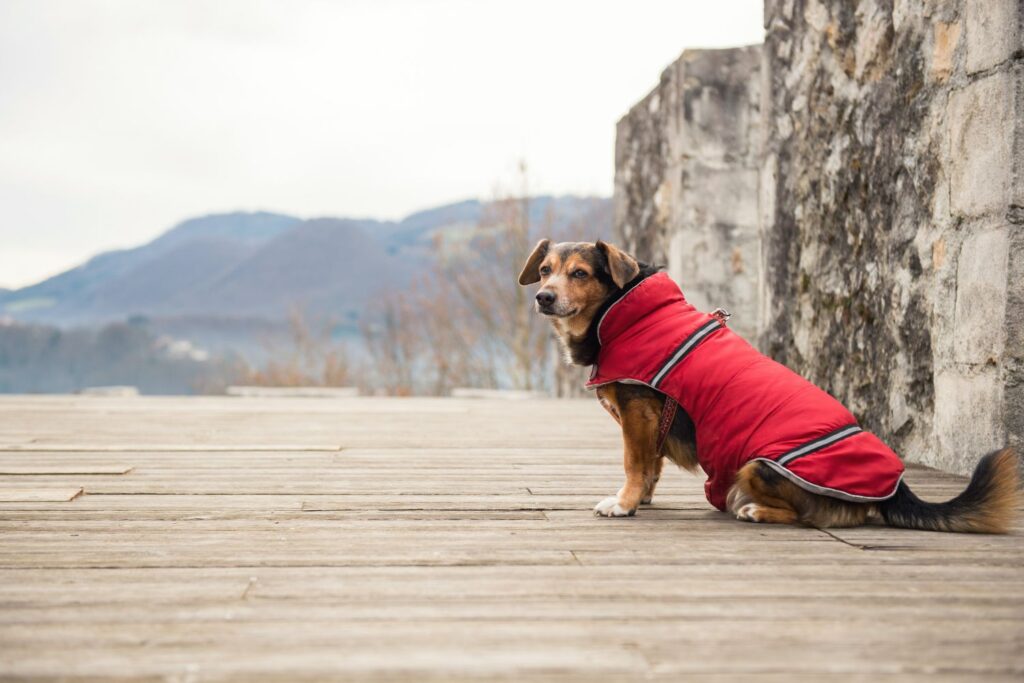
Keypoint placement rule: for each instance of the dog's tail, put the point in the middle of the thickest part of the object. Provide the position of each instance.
(986, 506)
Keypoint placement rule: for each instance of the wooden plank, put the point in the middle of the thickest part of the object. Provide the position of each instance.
(63, 469)
(250, 603)
(516, 649)
(34, 587)
(37, 495)
(494, 579)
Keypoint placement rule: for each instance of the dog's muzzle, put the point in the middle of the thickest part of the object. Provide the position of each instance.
(546, 302)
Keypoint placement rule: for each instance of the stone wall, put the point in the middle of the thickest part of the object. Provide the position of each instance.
(890, 204)
(686, 170)
(889, 219)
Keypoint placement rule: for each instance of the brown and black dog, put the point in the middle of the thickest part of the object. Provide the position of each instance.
(579, 279)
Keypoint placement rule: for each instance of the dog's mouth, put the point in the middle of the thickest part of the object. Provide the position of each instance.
(553, 312)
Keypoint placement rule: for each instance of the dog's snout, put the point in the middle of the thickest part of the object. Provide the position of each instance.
(545, 298)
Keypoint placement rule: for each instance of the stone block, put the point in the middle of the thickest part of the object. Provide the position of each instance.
(968, 418)
(1015, 294)
(979, 327)
(710, 195)
(993, 32)
(981, 142)
(946, 37)
(718, 265)
(719, 95)
(686, 189)
(1013, 360)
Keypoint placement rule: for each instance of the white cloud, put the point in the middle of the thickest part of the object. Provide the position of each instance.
(122, 118)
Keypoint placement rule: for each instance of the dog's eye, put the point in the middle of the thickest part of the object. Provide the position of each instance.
(580, 274)
(545, 271)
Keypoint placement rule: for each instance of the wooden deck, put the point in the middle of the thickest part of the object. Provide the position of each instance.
(263, 539)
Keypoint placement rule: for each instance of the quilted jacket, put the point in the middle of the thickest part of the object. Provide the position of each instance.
(744, 405)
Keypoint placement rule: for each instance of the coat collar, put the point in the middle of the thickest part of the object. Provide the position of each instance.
(649, 295)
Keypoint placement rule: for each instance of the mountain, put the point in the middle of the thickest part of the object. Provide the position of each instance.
(260, 266)
(116, 284)
(323, 265)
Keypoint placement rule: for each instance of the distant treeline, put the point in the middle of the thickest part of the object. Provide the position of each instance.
(45, 359)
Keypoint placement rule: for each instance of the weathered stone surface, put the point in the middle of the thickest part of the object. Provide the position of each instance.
(687, 160)
(980, 317)
(892, 171)
(994, 33)
(857, 167)
(1013, 356)
(968, 419)
(981, 148)
(887, 193)
(946, 40)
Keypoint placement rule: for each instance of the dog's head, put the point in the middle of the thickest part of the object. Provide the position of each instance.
(575, 279)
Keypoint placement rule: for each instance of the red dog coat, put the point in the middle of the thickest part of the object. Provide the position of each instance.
(744, 405)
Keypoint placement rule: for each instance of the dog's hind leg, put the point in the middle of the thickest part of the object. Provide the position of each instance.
(761, 494)
(753, 499)
(752, 512)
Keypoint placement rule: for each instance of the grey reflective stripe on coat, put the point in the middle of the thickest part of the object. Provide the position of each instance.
(825, 490)
(818, 444)
(684, 350)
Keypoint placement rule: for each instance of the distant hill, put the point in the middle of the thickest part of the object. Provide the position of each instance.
(323, 265)
(258, 266)
(117, 284)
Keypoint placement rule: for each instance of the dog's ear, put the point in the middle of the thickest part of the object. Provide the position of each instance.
(531, 269)
(621, 266)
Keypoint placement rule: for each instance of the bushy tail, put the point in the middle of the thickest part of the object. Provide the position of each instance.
(987, 506)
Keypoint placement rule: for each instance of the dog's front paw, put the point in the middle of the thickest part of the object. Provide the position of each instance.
(609, 507)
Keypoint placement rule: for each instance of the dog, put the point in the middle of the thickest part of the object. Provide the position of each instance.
(816, 467)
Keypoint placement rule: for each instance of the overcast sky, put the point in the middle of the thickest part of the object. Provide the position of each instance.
(120, 118)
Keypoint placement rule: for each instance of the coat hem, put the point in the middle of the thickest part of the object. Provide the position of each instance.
(825, 490)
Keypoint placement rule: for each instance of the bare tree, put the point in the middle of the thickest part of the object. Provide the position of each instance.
(485, 282)
(467, 322)
(310, 359)
(391, 341)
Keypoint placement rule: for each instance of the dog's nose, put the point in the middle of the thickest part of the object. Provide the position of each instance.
(545, 298)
